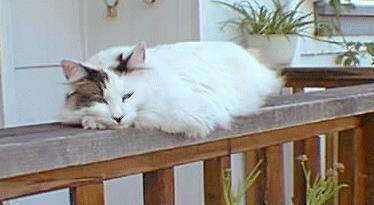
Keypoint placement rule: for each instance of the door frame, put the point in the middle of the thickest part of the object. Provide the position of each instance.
(7, 63)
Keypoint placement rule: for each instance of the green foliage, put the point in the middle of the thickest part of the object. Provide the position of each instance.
(353, 52)
(232, 198)
(326, 28)
(319, 193)
(324, 188)
(255, 19)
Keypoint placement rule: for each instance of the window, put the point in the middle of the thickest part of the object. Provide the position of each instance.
(362, 2)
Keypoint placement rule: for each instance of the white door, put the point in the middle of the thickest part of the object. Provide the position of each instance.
(37, 34)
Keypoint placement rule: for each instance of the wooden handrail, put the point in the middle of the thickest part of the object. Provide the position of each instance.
(41, 158)
(55, 146)
(299, 77)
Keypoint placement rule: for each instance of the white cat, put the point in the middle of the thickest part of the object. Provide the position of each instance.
(191, 88)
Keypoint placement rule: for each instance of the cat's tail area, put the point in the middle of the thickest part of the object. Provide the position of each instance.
(271, 74)
(263, 60)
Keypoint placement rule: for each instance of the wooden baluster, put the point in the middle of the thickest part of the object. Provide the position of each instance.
(332, 157)
(299, 180)
(369, 135)
(297, 89)
(311, 148)
(352, 153)
(313, 152)
(255, 195)
(213, 180)
(345, 157)
(90, 194)
(361, 167)
(159, 187)
(331, 150)
(274, 175)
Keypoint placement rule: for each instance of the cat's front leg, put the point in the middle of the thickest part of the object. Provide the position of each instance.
(93, 123)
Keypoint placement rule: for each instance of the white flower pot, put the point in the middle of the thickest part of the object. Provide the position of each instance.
(277, 49)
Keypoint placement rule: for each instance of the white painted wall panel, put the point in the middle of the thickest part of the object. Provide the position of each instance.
(60, 197)
(44, 31)
(40, 95)
(211, 17)
(189, 184)
(162, 22)
(124, 190)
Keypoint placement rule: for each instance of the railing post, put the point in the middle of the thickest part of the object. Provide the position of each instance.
(309, 147)
(90, 194)
(274, 175)
(255, 195)
(331, 147)
(159, 187)
(299, 181)
(213, 180)
(352, 153)
(369, 135)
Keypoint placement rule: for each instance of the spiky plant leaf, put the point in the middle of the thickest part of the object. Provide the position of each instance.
(232, 198)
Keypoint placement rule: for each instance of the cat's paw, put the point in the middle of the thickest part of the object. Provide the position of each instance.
(197, 134)
(90, 123)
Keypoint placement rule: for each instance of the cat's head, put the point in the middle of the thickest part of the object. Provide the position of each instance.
(110, 94)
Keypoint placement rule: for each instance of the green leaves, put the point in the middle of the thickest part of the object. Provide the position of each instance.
(257, 19)
(348, 58)
(252, 18)
(369, 48)
(326, 28)
(232, 198)
(323, 189)
(353, 52)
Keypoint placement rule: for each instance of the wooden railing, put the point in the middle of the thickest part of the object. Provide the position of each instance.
(42, 158)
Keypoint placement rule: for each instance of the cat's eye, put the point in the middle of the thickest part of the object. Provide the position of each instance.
(127, 96)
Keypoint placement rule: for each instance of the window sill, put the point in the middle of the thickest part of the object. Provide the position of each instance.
(326, 10)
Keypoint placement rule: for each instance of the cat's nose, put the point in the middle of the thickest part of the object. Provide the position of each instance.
(118, 119)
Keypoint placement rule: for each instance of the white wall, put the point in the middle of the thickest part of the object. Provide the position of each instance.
(211, 16)
(2, 31)
(37, 35)
(165, 21)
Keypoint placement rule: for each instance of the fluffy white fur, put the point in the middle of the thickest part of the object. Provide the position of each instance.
(191, 88)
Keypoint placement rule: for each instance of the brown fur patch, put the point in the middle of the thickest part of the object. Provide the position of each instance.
(87, 90)
(78, 100)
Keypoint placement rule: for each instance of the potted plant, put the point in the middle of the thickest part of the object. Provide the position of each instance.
(274, 30)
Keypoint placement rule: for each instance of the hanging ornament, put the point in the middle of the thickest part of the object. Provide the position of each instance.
(111, 8)
(149, 1)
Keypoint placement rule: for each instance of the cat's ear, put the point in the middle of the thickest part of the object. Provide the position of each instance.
(133, 60)
(73, 71)
(137, 57)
